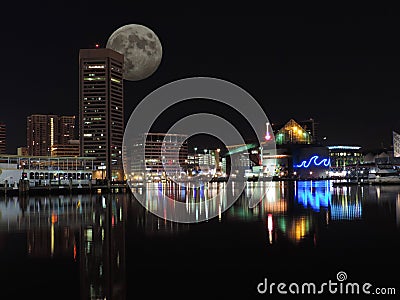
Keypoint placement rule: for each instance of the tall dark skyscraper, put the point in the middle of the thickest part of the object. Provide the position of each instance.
(44, 131)
(101, 109)
(2, 138)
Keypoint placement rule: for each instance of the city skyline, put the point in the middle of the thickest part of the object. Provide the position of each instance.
(341, 72)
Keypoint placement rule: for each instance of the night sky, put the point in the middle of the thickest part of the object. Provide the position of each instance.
(342, 71)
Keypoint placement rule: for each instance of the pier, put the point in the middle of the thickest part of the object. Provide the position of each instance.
(44, 175)
(102, 186)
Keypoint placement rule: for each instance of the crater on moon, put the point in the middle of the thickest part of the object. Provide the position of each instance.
(141, 48)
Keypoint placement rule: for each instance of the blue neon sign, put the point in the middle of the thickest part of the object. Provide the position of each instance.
(314, 160)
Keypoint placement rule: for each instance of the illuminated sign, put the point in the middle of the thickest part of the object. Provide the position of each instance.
(315, 161)
(344, 147)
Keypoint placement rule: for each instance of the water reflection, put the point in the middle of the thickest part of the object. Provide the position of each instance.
(313, 194)
(291, 211)
(347, 203)
(102, 261)
(187, 203)
(85, 231)
(92, 233)
(398, 210)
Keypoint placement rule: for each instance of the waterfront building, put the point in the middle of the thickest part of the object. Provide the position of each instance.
(244, 157)
(299, 154)
(311, 162)
(396, 144)
(66, 129)
(22, 151)
(46, 170)
(193, 160)
(69, 149)
(205, 161)
(209, 162)
(2, 138)
(293, 132)
(44, 131)
(163, 154)
(346, 161)
(342, 156)
(223, 165)
(41, 134)
(382, 158)
(101, 109)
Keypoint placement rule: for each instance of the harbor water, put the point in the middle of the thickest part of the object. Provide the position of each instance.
(108, 246)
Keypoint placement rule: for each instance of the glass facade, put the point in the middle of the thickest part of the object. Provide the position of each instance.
(292, 133)
(165, 155)
(343, 156)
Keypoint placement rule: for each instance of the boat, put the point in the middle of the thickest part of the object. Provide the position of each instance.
(384, 176)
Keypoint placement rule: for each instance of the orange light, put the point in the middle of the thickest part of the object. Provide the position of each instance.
(54, 218)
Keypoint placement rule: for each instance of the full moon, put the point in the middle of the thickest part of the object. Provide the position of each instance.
(141, 49)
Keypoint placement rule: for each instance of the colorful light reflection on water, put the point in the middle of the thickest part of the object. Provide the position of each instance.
(313, 194)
